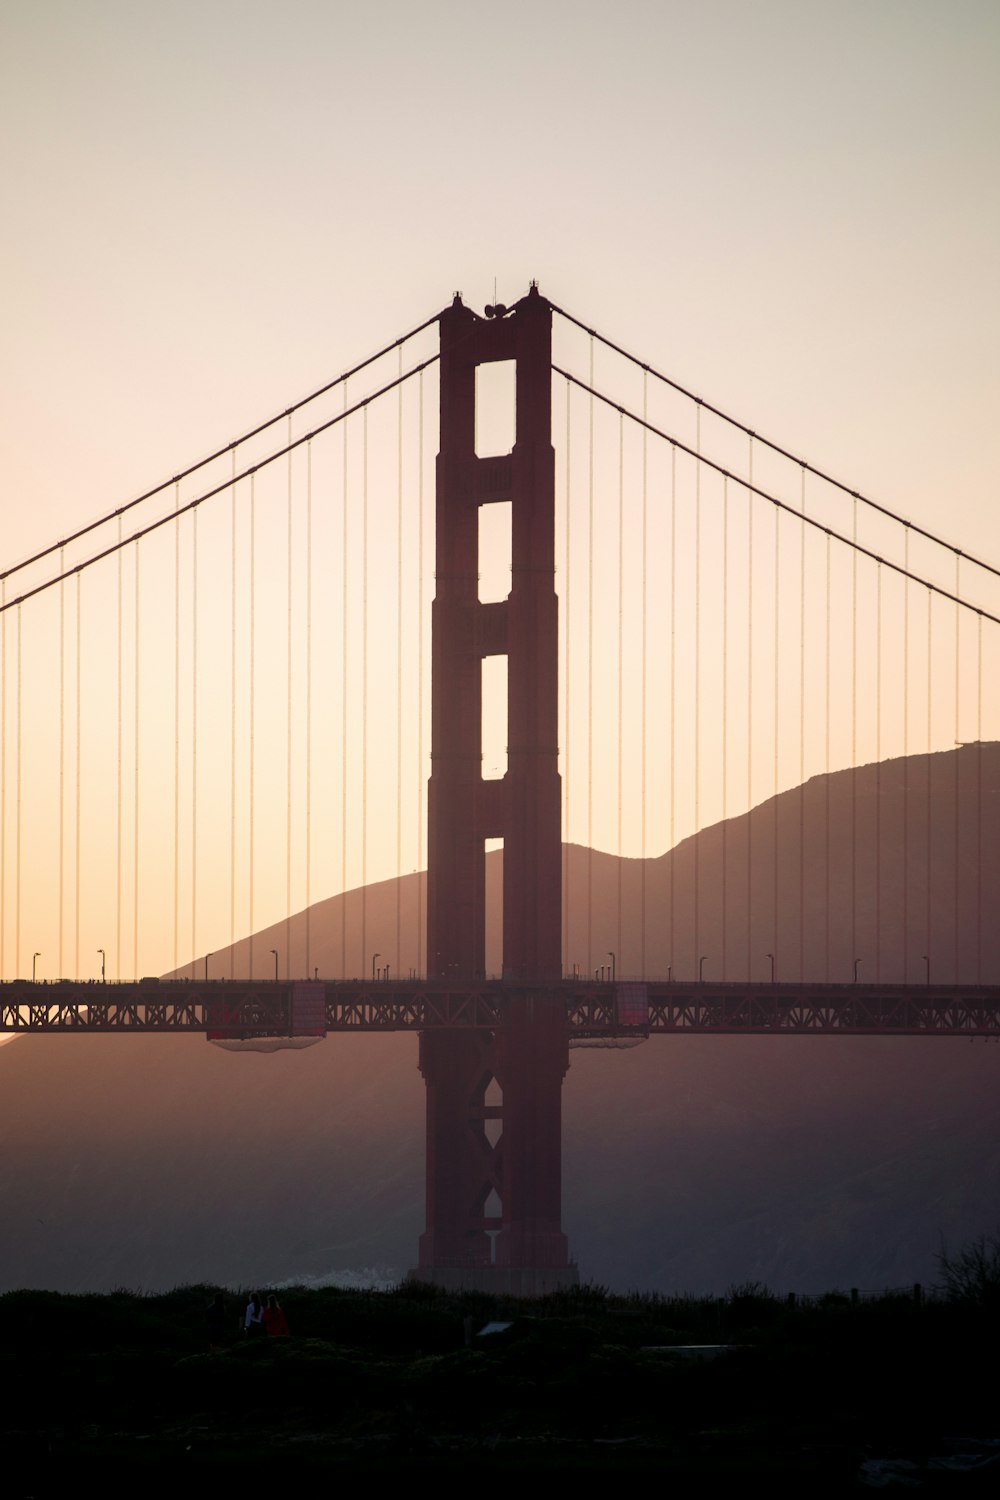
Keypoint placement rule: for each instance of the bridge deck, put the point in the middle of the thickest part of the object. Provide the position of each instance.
(234, 1009)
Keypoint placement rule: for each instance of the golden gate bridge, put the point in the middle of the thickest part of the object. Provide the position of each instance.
(652, 629)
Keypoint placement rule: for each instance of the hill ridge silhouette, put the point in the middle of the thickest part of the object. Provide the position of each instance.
(689, 1162)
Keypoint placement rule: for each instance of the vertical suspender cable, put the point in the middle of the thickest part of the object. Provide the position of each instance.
(567, 627)
(826, 777)
(749, 901)
(3, 782)
(725, 721)
(308, 732)
(177, 724)
(251, 605)
(420, 671)
(194, 740)
(978, 801)
(697, 693)
(76, 846)
(642, 774)
(621, 663)
(364, 692)
(673, 686)
(232, 723)
(590, 675)
(927, 851)
(399, 670)
(17, 818)
(802, 729)
(854, 742)
(62, 753)
(288, 713)
(878, 773)
(906, 752)
(955, 761)
(135, 780)
(777, 700)
(118, 773)
(343, 724)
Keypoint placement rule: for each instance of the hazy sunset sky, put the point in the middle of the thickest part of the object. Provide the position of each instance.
(211, 208)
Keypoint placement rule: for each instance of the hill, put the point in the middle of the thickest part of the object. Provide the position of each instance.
(690, 1163)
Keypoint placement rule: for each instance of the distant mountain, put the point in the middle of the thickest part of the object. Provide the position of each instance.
(886, 863)
(690, 1162)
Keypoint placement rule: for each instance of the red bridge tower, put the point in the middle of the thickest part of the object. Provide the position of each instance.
(519, 1246)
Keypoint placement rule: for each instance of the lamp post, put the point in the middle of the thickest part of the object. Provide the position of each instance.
(207, 957)
(771, 957)
(927, 963)
(856, 963)
(34, 958)
(614, 965)
(101, 952)
(374, 957)
(275, 952)
(701, 965)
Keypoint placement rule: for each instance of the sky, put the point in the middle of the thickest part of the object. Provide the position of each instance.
(212, 208)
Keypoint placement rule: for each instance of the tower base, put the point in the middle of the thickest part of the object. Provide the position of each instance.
(509, 1281)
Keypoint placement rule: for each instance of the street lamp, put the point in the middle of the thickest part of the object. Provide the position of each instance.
(101, 952)
(613, 965)
(275, 952)
(856, 962)
(34, 956)
(771, 957)
(207, 957)
(374, 957)
(928, 963)
(701, 965)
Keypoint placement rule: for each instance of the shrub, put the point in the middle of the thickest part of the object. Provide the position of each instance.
(972, 1274)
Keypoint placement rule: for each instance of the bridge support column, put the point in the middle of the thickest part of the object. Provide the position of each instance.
(493, 1212)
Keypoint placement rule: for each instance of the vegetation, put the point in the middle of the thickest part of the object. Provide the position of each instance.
(126, 1386)
(972, 1274)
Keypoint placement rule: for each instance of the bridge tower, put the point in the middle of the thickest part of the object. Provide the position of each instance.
(494, 1205)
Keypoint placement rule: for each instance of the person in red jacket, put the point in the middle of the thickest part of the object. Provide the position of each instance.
(275, 1321)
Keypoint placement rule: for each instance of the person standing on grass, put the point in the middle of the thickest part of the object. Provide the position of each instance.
(275, 1321)
(253, 1323)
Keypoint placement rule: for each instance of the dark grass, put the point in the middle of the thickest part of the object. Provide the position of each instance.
(125, 1387)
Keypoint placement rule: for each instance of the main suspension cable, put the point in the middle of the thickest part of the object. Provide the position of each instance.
(218, 489)
(220, 452)
(775, 447)
(754, 489)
